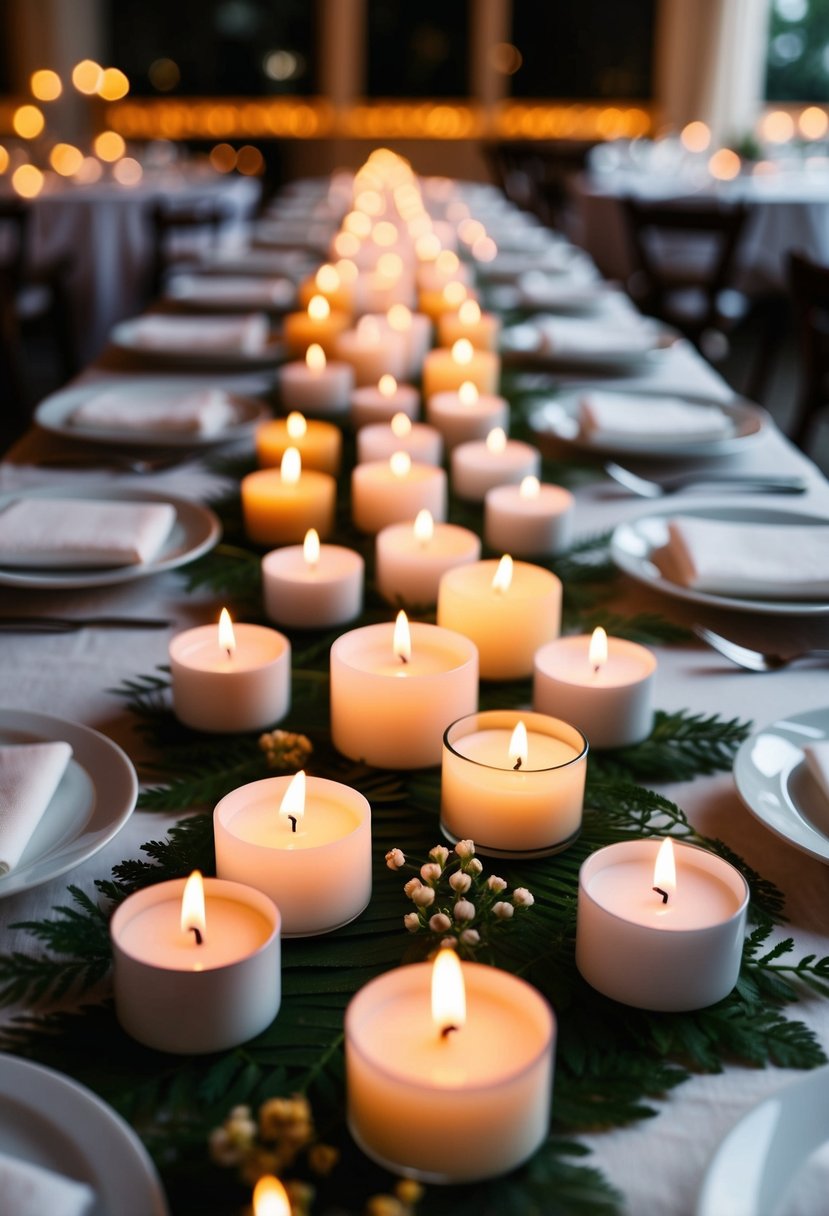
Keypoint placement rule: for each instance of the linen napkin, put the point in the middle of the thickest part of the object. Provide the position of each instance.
(29, 775)
(67, 532)
(565, 291)
(625, 416)
(32, 1190)
(817, 762)
(567, 337)
(204, 411)
(226, 335)
(255, 291)
(769, 561)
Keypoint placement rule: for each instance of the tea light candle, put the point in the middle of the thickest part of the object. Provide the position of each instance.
(415, 329)
(279, 507)
(602, 685)
(380, 441)
(390, 491)
(372, 350)
(514, 782)
(316, 386)
(329, 281)
(318, 443)
(303, 841)
(446, 268)
(447, 370)
(663, 938)
(185, 992)
(529, 519)
(507, 608)
(435, 301)
(230, 678)
(318, 323)
(466, 414)
(483, 329)
(449, 1088)
(313, 586)
(411, 559)
(395, 688)
(380, 402)
(478, 467)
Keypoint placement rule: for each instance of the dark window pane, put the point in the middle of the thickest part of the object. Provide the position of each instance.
(584, 48)
(418, 48)
(5, 47)
(797, 67)
(247, 48)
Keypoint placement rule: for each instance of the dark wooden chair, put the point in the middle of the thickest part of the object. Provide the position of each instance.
(180, 236)
(536, 174)
(809, 288)
(684, 257)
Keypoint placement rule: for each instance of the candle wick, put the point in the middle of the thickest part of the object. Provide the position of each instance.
(517, 765)
(197, 934)
(596, 668)
(229, 651)
(664, 894)
(293, 820)
(403, 658)
(447, 1030)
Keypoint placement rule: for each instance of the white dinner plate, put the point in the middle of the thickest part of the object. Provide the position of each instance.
(634, 542)
(55, 414)
(51, 1121)
(93, 801)
(527, 340)
(204, 292)
(123, 335)
(559, 419)
(195, 531)
(758, 1160)
(774, 782)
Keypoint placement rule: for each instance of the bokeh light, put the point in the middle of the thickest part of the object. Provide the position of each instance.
(45, 85)
(27, 181)
(87, 76)
(28, 121)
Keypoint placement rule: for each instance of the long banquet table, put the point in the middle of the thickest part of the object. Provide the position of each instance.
(658, 1164)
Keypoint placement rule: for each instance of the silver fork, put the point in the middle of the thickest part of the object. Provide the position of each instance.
(761, 483)
(754, 660)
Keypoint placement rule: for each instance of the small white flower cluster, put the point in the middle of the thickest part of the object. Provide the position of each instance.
(454, 901)
(284, 749)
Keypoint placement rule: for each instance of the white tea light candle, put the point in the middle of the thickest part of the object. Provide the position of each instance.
(313, 586)
(316, 386)
(466, 415)
(446, 370)
(478, 467)
(529, 519)
(380, 402)
(390, 491)
(380, 441)
(411, 558)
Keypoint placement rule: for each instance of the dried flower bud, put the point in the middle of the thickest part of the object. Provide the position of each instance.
(503, 910)
(440, 922)
(448, 943)
(414, 884)
(408, 1191)
(470, 937)
(465, 849)
(474, 866)
(430, 872)
(522, 898)
(464, 910)
(412, 921)
(286, 749)
(222, 1149)
(496, 884)
(424, 897)
(460, 882)
(440, 854)
(395, 859)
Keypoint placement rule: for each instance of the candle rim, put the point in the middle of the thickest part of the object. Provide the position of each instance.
(571, 641)
(527, 717)
(357, 803)
(382, 632)
(199, 635)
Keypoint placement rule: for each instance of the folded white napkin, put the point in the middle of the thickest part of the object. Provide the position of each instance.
(817, 762)
(255, 291)
(268, 262)
(770, 561)
(203, 411)
(29, 775)
(625, 416)
(243, 335)
(32, 1190)
(567, 336)
(576, 291)
(67, 532)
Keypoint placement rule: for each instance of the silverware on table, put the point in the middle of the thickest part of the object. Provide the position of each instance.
(61, 624)
(760, 483)
(754, 660)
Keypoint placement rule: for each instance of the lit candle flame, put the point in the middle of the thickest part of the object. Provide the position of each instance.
(401, 426)
(192, 907)
(448, 993)
(468, 392)
(664, 870)
(290, 468)
(502, 579)
(469, 312)
(424, 527)
(399, 318)
(270, 1198)
(519, 746)
(315, 359)
(295, 424)
(530, 487)
(318, 308)
(496, 440)
(327, 279)
(454, 293)
(400, 464)
(292, 806)
(401, 642)
(227, 638)
(597, 651)
(462, 351)
(311, 548)
(387, 385)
